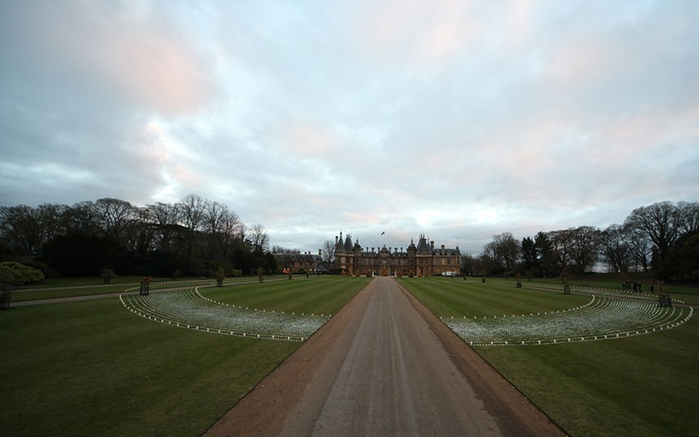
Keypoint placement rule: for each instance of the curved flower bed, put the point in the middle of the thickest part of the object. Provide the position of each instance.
(188, 309)
(602, 318)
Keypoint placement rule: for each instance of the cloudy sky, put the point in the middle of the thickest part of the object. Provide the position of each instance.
(458, 119)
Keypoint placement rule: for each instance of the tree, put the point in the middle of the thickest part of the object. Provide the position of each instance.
(25, 229)
(548, 265)
(12, 274)
(682, 263)
(687, 217)
(231, 228)
(81, 219)
(160, 237)
(530, 259)
(561, 243)
(140, 234)
(468, 264)
(114, 217)
(584, 248)
(258, 238)
(659, 222)
(641, 249)
(617, 248)
(270, 262)
(193, 209)
(485, 265)
(165, 219)
(85, 255)
(241, 258)
(328, 252)
(220, 226)
(504, 251)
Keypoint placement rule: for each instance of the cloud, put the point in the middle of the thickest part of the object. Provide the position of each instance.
(459, 119)
(104, 46)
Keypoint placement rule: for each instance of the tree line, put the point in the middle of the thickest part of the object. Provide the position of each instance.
(662, 238)
(195, 236)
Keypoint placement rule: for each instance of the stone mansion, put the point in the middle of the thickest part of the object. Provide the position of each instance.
(421, 260)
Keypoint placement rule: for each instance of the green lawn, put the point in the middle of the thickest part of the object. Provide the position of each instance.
(93, 368)
(54, 293)
(455, 297)
(52, 288)
(686, 292)
(640, 386)
(81, 281)
(323, 295)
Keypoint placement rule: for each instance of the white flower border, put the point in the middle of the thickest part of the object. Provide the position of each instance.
(189, 309)
(602, 318)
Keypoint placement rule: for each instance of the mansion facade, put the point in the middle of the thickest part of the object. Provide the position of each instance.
(421, 260)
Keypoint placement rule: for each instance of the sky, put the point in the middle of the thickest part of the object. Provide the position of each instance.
(455, 119)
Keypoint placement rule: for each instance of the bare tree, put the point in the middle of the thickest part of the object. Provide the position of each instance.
(25, 229)
(504, 250)
(141, 233)
(258, 238)
(81, 219)
(561, 243)
(468, 264)
(687, 217)
(165, 218)
(659, 222)
(114, 216)
(193, 211)
(617, 248)
(584, 249)
(328, 252)
(218, 226)
(641, 249)
(230, 229)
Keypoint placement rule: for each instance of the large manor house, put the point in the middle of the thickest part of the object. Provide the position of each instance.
(421, 260)
(354, 260)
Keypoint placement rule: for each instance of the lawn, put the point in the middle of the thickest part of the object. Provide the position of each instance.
(640, 386)
(93, 368)
(80, 281)
(684, 291)
(324, 295)
(54, 288)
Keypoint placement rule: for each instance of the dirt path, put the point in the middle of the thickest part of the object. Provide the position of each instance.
(384, 366)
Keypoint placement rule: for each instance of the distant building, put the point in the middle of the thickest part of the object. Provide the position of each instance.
(421, 260)
(294, 262)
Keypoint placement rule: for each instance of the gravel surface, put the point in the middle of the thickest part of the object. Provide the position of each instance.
(384, 366)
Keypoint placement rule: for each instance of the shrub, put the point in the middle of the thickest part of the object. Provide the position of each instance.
(43, 267)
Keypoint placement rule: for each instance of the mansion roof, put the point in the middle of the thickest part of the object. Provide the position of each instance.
(423, 248)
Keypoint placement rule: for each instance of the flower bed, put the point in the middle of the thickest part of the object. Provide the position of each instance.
(603, 318)
(189, 309)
